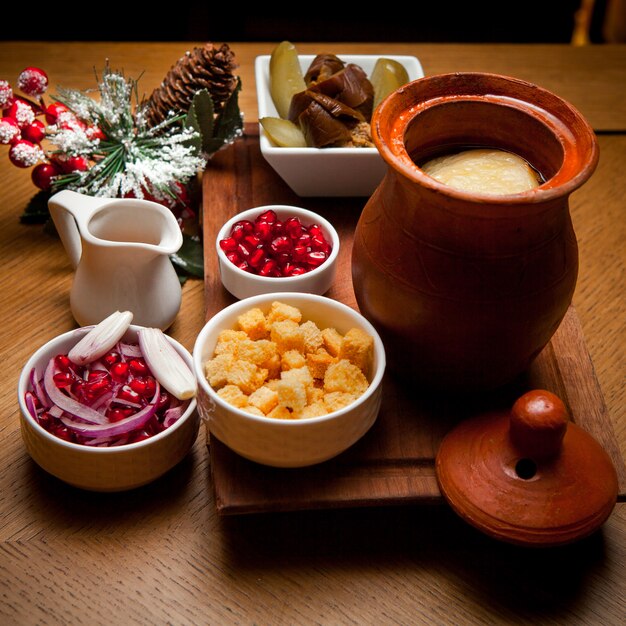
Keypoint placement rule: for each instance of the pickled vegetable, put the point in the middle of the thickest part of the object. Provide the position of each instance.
(283, 132)
(387, 76)
(285, 76)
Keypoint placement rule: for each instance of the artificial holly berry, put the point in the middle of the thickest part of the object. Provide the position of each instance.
(6, 94)
(21, 112)
(24, 153)
(33, 81)
(35, 132)
(52, 112)
(9, 130)
(43, 174)
(94, 132)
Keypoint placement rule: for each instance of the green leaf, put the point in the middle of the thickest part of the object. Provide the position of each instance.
(36, 211)
(200, 117)
(229, 122)
(190, 257)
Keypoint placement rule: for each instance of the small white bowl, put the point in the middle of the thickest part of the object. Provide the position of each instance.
(117, 468)
(244, 284)
(325, 171)
(288, 443)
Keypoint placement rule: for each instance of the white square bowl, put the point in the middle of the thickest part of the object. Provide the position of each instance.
(325, 171)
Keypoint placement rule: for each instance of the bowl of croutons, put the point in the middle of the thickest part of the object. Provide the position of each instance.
(289, 379)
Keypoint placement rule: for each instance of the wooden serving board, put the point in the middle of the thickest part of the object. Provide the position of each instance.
(395, 462)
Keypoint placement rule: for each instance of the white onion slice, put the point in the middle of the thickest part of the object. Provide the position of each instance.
(100, 339)
(167, 366)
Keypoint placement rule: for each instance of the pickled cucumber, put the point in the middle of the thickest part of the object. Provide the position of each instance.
(285, 76)
(283, 132)
(387, 76)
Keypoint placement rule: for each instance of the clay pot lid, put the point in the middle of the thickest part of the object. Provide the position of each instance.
(528, 476)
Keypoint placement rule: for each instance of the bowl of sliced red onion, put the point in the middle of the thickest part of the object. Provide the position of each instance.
(277, 248)
(109, 407)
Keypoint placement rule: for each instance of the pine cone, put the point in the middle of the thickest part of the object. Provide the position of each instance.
(208, 67)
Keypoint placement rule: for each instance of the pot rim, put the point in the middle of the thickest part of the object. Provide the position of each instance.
(398, 116)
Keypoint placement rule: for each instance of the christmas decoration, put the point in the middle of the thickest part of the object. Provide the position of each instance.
(115, 145)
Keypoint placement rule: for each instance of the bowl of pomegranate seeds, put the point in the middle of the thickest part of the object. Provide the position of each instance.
(109, 407)
(277, 248)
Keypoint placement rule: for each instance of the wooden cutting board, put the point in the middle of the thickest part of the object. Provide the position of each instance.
(394, 463)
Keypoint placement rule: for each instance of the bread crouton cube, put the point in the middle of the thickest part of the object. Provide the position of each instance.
(254, 324)
(263, 398)
(272, 365)
(253, 410)
(257, 352)
(358, 347)
(303, 376)
(288, 336)
(233, 395)
(336, 400)
(291, 394)
(279, 311)
(345, 376)
(292, 359)
(247, 376)
(227, 341)
(314, 394)
(272, 383)
(311, 410)
(318, 362)
(281, 412)
(332, 341)
(216, 369)
(312, 336)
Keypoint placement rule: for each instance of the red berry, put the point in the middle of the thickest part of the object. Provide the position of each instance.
(6, 94)
(33, 81)
(52, 112)
(22, 112)
(76, 164)
(23, 153)
(95, 132)
(43, 174)
(9, 130)
(34, 132)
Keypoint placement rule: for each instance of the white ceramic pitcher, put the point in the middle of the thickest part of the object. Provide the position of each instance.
(120, 250)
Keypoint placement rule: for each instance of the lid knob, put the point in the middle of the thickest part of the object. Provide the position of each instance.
(538, 423)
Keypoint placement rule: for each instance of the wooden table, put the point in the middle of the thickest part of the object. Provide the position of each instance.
(162, 555)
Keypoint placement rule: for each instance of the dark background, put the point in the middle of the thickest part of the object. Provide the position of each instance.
(433, 21)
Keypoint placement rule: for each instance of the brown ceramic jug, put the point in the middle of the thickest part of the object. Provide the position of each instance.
(466, 289)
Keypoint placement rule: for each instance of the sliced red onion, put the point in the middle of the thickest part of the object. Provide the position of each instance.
(130, 350)
(133, 422)
(65, 402)
(29, 401)
(173, 415)
(38, 389)
(55, 411)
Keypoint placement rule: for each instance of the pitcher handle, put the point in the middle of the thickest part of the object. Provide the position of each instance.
(70, 212)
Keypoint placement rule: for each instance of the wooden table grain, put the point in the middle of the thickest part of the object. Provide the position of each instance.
(161, 555)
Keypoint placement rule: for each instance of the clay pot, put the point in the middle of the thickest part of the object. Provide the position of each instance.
(466, 289)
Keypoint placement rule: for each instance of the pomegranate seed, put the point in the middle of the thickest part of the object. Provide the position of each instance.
(138, 367)
(315, 259)
(297, 270)
(62, 432)
(228, 244)
(244, 266)
(263, 230)
(116, 414)
(119, 371)
(268, 216)
(293, 227)
(163, 402)
(62, 362)
(279, 228)
(304, 239)
(281, 244)
(315, 229)
(139, 436)
(126, 393)
(143, 386)
(257, 258)
(111, 358)
(244, 253)
(241, 229)
(45, 420)
(78, 388)
(299, 253)
(251, 242)
(63, 379)
(270, 268)
(96, 388)
(233, 257)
